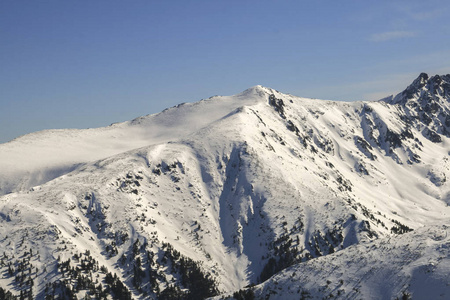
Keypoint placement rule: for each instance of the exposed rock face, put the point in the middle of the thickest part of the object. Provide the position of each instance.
(425, 104)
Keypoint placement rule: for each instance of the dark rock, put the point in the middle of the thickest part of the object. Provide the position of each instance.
(393, 138)
(433, 136)
(278, 104)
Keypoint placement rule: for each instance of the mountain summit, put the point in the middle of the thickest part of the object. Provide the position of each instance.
(427, 88)
(425, 103)
(257, 195)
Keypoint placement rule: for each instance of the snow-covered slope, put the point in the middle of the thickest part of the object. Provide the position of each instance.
(209, 197)
(39, 157)
(414, 265)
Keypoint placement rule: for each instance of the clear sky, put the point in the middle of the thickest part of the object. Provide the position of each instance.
(89, 63)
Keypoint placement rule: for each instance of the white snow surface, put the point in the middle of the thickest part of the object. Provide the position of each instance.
(229, 181)
(415, 263)
(39, 157)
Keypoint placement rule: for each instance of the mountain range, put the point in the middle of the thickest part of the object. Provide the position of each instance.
(260, 195)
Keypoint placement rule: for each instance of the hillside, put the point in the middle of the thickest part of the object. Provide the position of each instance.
(206, 198)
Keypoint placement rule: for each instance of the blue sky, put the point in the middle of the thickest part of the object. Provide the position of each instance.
(89, 63)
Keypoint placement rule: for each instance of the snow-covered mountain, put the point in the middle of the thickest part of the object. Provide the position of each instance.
(300, 197)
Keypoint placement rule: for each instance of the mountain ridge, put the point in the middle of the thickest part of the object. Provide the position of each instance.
(263, 182)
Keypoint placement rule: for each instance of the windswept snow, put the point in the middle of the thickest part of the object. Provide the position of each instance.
(39, 157)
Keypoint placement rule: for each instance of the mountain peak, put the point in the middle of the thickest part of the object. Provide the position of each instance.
(423, 77)
(425, 88)
(427, 100)
(257, 90)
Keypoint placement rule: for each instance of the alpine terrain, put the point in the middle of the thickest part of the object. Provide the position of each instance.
(260, 195)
